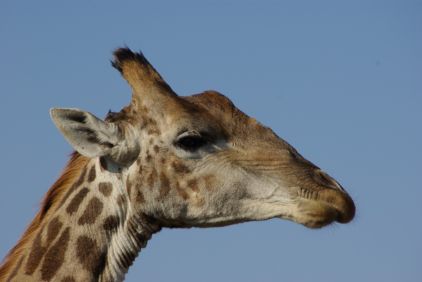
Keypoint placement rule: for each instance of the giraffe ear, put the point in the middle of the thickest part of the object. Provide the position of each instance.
(93, 137)
(87, 134)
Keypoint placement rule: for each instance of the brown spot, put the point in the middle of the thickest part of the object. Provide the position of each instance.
(15, 270)
(53, 229)
(54, 258)
(111, 223)
(68, 279)
(92, 211)
(103, 164)
(163, 160)
(148, 158)
(76, 185)
(138, 161)
(165, 185)
(209, 182)
(105, 188)
(89, 255)
(193, 184)
(181, 192)
(156, 149)
(35, 256)
(179, 167)
(81, 178)
(151, 178)
(92, 174)
(140, 197)
(129, 185)
(76, 201)
(152, 122)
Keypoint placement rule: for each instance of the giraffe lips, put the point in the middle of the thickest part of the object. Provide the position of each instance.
(340, 202)
(330, 205)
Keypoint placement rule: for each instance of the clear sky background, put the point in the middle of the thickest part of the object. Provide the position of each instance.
(340, 80)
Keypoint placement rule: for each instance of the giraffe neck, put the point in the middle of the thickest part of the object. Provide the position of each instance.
(92, 234)
(125, 246)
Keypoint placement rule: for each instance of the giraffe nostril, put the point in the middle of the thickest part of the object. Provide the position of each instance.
(326, 180)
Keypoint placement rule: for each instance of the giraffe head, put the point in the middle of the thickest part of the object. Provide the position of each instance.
(200, 161)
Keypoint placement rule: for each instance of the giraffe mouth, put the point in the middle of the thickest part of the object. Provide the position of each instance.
(325, 207)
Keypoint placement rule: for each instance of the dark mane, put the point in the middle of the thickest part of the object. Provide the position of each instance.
(51, 200)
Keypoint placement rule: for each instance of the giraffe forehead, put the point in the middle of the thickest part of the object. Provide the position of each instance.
(208, 108)
(209, 111)
(220, 110)
(237, 124)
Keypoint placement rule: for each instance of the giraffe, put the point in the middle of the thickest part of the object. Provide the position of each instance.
(163, 161)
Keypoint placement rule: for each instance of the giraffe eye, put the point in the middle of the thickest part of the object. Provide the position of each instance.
(191, 141)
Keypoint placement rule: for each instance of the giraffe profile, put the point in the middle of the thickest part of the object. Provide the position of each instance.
(163, 161)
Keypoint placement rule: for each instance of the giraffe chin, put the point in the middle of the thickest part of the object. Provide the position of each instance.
(319, 219)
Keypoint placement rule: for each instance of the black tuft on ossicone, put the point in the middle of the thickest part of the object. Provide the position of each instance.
(125, 54)
(129, 63)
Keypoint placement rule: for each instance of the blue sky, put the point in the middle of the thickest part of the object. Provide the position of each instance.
(340, 80)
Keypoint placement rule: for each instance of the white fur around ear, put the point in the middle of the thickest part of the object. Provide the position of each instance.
(93, 137)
